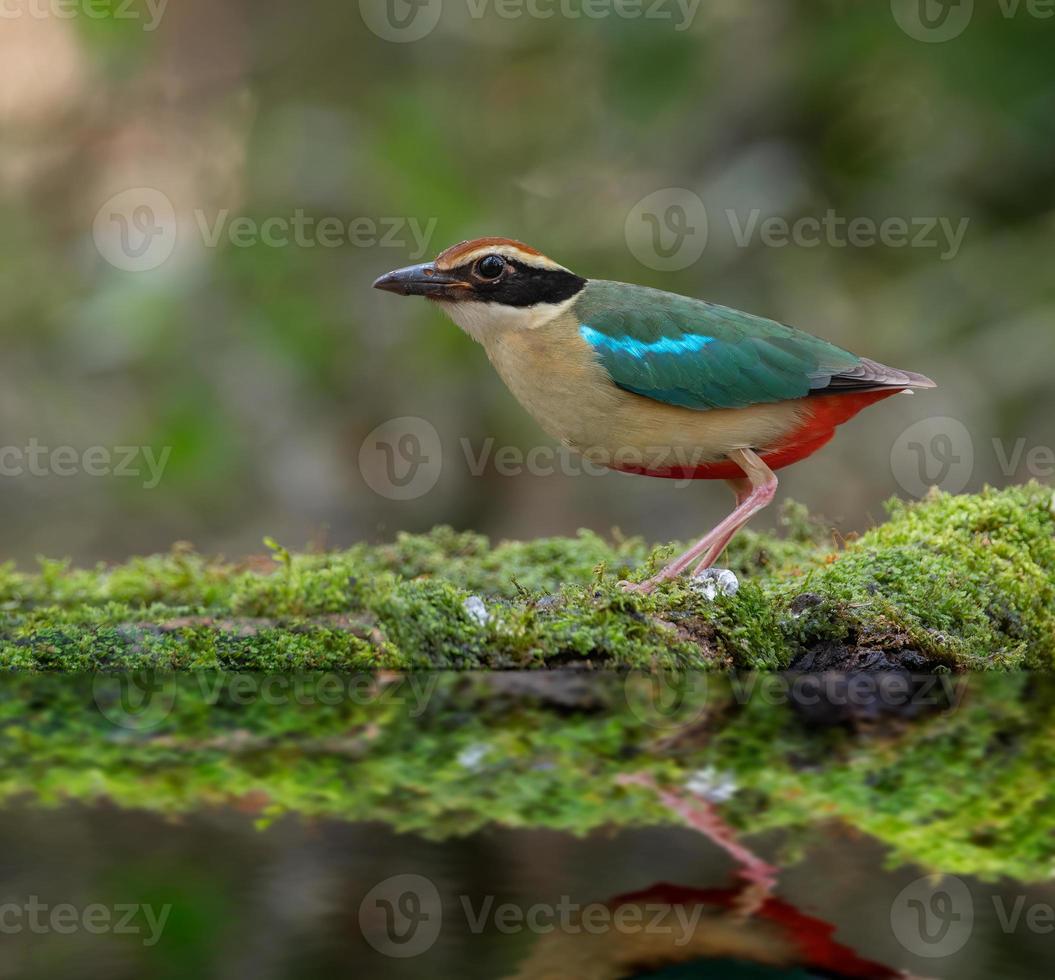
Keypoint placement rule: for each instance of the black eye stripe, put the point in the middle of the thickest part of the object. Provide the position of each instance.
(522, 285)
(527, 285)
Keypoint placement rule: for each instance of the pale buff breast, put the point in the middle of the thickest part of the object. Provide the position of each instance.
(554, 374)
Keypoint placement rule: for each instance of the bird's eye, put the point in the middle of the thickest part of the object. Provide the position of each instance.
(490, 267)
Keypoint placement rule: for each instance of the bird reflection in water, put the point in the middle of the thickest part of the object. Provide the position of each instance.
(671, 932)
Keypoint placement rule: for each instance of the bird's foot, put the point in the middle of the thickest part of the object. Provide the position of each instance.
(650, 584)
(709, 582)
(712, 582)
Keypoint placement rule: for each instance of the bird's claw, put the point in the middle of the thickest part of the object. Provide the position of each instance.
(709, 582)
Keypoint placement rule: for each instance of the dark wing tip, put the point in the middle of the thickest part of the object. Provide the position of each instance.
(920, 380)
(871, 375)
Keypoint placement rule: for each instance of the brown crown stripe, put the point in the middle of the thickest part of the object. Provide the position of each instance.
(450, 257)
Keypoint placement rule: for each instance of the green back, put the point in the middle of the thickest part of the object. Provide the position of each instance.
(698, 355)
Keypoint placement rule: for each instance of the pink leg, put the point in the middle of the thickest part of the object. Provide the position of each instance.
(742, 490)
(752, 495)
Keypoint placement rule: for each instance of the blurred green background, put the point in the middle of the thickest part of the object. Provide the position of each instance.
(263, 368)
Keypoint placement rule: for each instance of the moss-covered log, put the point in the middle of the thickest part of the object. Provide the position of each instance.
(949, 583)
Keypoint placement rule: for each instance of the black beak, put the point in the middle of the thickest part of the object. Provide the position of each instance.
(421, 280)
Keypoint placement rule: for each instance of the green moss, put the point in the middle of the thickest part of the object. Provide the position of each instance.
(961, 582)
(969, 580)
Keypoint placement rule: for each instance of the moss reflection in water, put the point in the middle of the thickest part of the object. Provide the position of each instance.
(955, 776)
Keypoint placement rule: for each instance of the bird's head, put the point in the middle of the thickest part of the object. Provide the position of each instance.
(489, 284)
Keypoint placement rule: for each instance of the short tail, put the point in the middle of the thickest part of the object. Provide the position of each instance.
(870, 375)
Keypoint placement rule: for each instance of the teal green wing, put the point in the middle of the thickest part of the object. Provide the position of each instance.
(698, 355)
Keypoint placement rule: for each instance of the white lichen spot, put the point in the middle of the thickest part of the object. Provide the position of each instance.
(712, 581)
(472, 756)
(712, 785)
(476, 610)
